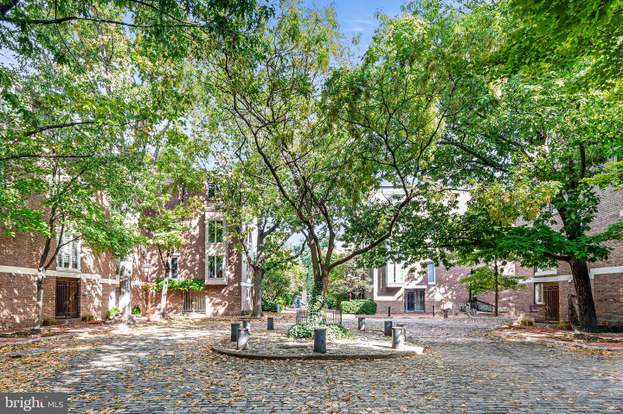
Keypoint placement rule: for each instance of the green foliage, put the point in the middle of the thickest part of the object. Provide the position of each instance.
(50, 321)
(482, 280)
(359, 306)
(269, 305)
(305, 331)
(283, 278)
(136, 311)
(88, 318)
(181, 285)
(112, 312)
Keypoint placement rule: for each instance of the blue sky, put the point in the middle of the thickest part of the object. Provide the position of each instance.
(358, 17)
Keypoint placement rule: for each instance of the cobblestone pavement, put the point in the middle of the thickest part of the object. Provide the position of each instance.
(154, 369)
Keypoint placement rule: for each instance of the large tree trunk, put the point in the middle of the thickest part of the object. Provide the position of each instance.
(586, 306)
(39, 304)
(257, 293)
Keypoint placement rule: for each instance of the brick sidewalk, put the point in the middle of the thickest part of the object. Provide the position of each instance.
(171, 369)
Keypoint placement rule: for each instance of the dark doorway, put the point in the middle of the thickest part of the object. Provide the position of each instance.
(414, 300)
(67, 298)
(550, 300)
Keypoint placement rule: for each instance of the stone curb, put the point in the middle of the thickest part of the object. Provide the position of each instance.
(327, 356)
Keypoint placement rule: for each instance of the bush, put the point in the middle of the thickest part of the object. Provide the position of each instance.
(88, 318)
(304, 331)
(181, 285)
(269, 305)
(112, 312)
(334, 300)
(136, 311)
(50, 321)
(359, 306)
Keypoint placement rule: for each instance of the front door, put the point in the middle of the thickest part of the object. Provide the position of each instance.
(414, 300)
(67, 298)
(550, 299)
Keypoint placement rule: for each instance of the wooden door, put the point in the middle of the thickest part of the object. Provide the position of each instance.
(551, 301)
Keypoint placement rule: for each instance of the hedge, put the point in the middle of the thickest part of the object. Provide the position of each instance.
(305, 331)
(359, 306)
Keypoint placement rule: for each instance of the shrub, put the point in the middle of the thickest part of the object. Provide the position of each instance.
(112, 312)
(136, 311)
(181, 285)
(50, 321)
(359, 306)
(304, 331)
(88, 318)
(269, 305)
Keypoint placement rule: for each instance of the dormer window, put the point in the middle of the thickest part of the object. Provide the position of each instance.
(68, 257)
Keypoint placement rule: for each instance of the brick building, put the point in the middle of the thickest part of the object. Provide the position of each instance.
(425, 287)
(80, 284)
(417, 288)
(550, 288)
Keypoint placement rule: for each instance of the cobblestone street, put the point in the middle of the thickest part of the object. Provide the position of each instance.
(154, 369)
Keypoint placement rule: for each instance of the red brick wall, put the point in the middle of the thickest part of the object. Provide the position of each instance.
(609, 290)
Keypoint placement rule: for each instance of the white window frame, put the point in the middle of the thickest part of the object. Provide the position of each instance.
(69, 235)
(428, 273)
(212, 260)
(538, 293)
(176, 257)
(208, 232)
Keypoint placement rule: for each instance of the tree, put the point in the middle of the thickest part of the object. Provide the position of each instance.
(257, 221)
(172, 193)
(541, 141)
(84, 92)
(330, 151)
(485, 279)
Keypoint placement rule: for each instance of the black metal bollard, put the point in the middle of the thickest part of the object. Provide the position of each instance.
(243, 338)
(235, 328)
(398, 337)
(361, 323)
(389, 311)
(320, 340)
(247, 325)
(387, 328)
(270, 323)
(433, 310)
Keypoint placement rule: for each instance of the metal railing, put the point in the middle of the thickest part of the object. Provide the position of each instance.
(475, 305)
(328, 317)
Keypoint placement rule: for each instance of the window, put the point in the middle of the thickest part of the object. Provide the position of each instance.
(538, 293)
(173, 266)
(215, 267)
(394, 273)
(215, 231)
(431, 272)
(212, 191)
(68, 256)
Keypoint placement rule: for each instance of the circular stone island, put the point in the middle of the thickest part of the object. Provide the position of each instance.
(276, 345)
